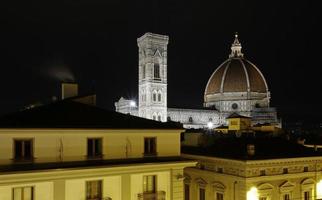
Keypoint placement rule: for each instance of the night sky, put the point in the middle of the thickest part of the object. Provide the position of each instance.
(94, 43)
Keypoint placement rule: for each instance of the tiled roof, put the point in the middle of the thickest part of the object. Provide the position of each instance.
(71, 114)
(236, 75)
(265, 148)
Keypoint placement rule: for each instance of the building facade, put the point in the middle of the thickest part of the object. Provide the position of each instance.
(273, 179)
(72, 151)
(237, 85)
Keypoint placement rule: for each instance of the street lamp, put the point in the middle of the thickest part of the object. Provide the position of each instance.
(252, 194)
(210, 125)
(132, 104)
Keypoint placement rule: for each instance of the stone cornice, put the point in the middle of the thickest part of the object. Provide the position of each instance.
(257, 163)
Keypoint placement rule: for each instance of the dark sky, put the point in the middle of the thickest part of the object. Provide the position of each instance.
(95, 42)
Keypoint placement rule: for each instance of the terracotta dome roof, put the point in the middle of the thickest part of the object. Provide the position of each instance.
(236, 74)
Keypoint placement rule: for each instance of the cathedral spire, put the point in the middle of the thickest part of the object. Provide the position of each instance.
(236, 48)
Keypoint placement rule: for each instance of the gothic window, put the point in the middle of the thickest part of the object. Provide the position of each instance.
(210, 119)
(156, 70)
(159, 117)
(143, 71)
(159, 96)
(154, 96)
(154, 117)
(190, 120)
(168, 118)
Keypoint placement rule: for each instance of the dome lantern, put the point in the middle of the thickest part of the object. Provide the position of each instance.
(236, 48)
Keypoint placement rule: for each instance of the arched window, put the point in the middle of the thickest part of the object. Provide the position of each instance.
(143, 71)
(190, 120)
(168, 118)
(159, 96)
(159, 117)
(154, 96)
(154, 117)
(156, 70)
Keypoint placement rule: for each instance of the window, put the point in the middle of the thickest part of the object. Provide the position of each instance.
(154, 117)
(154, 96)
(307, 195)
(262, 198)
(286, 197)
(94, 147)
(94, 190)
(143, 71)
(156, 71)
(23, 193)
(186, 192)
(285, 170)
(202, 194)
(220, 170)
(159, 117)
(219, 196)
(262, 172)
(234, 106)
(190, 120)
(23, 149)
(150, 146)
(168, 119)
(306, 169)
(149, 184)
(159, 97)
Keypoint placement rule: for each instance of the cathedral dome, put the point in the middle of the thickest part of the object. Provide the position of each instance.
(236, 74)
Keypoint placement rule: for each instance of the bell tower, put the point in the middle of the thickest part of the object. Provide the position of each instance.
(153, 76)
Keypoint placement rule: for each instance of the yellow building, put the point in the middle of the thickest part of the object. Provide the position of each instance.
(243, 124)
(68, 150)
(238, 122)
(253, 169)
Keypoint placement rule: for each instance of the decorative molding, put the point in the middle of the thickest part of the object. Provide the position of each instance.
(187, 178)
(201, 182)
(219, 187)
(286, 187)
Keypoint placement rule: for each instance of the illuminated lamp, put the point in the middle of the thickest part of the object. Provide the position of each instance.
(319, 190)
(132, 104)
(252, 194)
(210, 125)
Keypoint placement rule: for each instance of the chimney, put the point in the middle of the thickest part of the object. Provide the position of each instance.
(250, 149)
(69, 90)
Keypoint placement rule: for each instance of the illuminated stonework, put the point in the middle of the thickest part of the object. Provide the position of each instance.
(236, 86)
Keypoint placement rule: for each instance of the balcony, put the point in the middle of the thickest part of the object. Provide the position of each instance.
(160, 195)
